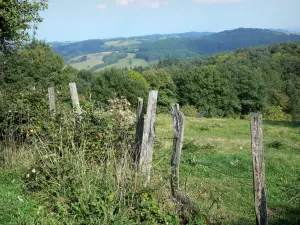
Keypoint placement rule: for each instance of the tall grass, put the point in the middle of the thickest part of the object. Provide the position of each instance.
(81, 171)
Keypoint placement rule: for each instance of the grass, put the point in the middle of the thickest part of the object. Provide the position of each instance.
(215, 172)
(126, 62)
(119, 43)
(15, 206)
(93, 59)
(216, 165)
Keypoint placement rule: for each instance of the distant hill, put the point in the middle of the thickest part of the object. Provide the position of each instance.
(178, 35)
(219, 42)
(296, 31)
(73, 49)
(178, 45)
(79, 48)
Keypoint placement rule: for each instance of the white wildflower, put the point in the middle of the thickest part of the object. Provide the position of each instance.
(33, 170)
(20, 198)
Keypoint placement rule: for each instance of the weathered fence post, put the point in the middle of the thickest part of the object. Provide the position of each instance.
(259, 185)
(148, 136)
(52, 100)
(178, 123)
(139, 131)
(74, 97)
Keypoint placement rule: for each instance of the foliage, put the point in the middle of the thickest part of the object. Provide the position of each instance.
(113, 58)
(35, 65)
(83, 166)
(161, 80)
(97, 67)
(114, 83)
(81, 59)
(276, 113)
(276, 144)
(17, 19)
(189, 110)
(133, 75)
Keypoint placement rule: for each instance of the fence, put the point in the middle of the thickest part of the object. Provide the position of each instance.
(145, 137)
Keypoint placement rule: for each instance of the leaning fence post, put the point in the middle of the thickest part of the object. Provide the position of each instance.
(259, 185)
(52, 100)
(178, 123)
(148, 136)
(139, 131)
(74, 97)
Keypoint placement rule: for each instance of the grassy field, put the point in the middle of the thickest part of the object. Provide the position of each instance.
(215, 172)
(128, 62)
(93, 59)
(119, 43)
(216, 167)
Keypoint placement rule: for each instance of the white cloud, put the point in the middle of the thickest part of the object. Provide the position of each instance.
(216, 1)
(143, 3)
(125, 2)
(101, 6)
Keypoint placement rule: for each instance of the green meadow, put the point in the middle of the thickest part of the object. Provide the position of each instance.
(215, 173)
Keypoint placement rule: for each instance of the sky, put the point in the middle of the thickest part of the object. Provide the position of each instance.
(75, 20)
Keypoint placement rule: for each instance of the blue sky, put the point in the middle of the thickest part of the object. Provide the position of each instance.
(73, 20)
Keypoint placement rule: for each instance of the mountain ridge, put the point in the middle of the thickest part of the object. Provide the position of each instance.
(177, 45)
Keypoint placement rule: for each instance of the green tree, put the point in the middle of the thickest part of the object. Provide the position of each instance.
(34, 66)
(161, 80)
(116, 83)
(209, 90)
(17, 19)
(136, 76)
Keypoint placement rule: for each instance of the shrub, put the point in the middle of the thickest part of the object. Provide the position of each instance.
(190, 110)
(84, 173)
(276, 113)
(276, 144)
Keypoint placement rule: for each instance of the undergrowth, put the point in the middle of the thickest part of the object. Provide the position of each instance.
(81, 169)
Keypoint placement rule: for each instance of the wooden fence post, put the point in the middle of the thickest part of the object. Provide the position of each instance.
(74, 97)
(52, 100)
(259, 185)
(148, 136)
(139, 131)
(178, 123)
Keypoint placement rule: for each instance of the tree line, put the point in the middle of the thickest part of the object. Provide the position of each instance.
(222, 85)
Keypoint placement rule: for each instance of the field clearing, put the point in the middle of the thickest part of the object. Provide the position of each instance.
(126, 62)
(216, 167)
(119, 43)
(93, 59)
(113, 43)
(97, 58)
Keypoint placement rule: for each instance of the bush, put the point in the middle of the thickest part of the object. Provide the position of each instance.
(276, 113)
(276, 144)
(190, 110)
(83, 171)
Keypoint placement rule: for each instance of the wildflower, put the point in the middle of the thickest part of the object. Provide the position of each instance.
(28, 175)
(33, 170)
(20, 198)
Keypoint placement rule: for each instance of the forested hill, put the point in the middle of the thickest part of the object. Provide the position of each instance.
(218, 42)
(157, 46)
